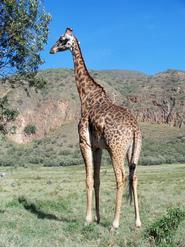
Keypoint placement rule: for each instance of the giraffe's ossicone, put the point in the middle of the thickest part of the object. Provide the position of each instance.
(103, 125)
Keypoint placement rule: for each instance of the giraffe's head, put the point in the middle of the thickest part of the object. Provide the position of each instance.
(64, 43)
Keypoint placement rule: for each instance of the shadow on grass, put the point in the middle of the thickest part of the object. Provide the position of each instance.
(31, 207)
(2, 211)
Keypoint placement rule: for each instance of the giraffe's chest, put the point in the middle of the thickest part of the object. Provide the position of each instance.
(97, 140)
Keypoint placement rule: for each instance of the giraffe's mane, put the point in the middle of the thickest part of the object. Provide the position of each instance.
(97, 84)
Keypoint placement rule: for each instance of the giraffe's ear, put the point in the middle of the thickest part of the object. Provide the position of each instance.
(69, 29)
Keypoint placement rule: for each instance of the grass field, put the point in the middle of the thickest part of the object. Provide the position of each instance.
(45, 207)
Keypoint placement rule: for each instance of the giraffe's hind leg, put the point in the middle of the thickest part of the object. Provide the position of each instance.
(97, 162)
(118, 166)
(133, 157)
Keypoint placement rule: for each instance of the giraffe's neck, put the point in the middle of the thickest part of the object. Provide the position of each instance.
(87, 87)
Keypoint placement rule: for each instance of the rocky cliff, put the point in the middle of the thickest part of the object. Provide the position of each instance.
(161, 99)
(154, 99)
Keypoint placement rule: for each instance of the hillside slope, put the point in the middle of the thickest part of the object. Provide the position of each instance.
(161, 144)
(157, 101)
(153, 99)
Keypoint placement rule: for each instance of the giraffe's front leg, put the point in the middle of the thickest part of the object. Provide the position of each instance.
(97, 162)
(86, 150)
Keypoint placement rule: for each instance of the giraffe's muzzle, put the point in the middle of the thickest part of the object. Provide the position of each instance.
(52, 51)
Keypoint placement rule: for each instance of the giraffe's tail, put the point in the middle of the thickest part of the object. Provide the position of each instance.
(132, 168)
(134, 157)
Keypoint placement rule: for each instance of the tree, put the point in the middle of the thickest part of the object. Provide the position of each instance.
(23, 34)
(6, 114)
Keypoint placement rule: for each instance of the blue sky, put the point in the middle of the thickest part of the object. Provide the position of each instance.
(143, 35)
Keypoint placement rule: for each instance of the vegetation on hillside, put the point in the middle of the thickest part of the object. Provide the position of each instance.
(161, 144)
(55, 109)
(30, 129)
(6, 115)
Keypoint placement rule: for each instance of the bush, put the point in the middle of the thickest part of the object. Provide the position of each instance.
(6, 114)
(64, 161)
(9, 160)
(150, 160)
(10, 114)
(3, 129)
(38, 83)
(162, 230)
(35, 160)
(30, 129)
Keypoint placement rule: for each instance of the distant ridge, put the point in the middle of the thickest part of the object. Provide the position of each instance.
(125, 73)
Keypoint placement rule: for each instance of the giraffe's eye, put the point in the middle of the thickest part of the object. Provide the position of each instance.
(64, 41)
(61, 38)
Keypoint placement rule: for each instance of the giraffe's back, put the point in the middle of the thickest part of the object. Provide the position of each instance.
(112, 125)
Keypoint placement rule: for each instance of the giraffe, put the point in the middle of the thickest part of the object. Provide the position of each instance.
(103, 125)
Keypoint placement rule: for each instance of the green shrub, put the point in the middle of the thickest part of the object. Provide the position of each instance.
(13, 129)
(3, 129)
(9, 160)
(30, 129)
(64, 161)
(6, 114)
(38, 82)
(162, 230)
(150, 160)
(70, 162)
(10, 114)
(35, 160)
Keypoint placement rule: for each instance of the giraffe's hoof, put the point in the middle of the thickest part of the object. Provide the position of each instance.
(88, 221)
(138, 223)
(113, 229)
(97, 219)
